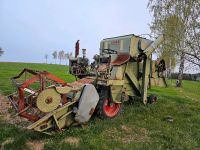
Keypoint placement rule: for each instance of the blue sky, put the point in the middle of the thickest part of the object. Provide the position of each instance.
(29, 29)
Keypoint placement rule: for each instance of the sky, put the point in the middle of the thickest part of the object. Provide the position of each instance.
(29, 29)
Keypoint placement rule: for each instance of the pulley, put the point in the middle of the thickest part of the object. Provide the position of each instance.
(48, 100)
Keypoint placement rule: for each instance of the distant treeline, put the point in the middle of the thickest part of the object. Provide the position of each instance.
(186, 76)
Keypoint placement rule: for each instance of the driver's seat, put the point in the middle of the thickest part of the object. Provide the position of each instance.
(118, 68)
(121, 59)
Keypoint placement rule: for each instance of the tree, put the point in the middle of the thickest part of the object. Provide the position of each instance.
(172, 26)
(67, 56)
(1, 51)
(55, 55)
(70, 55)
(61, 55)
(192, 42)
(46, 57)
(179, 21)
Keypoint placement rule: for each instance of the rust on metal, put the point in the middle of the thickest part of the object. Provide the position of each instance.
(37, 76)
(121, 59)
(77, 49)
(91, 111)
(82, 82)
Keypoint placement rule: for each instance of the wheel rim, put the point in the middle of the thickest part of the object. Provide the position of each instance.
(111, 109)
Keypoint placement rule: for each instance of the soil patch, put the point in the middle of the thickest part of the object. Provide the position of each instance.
(74, 141)
(35, 145)
(5, 112)
(128, 134)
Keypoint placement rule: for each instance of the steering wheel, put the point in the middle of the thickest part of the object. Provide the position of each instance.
(109, 51)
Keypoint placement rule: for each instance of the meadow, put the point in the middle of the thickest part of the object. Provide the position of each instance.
(138, 127)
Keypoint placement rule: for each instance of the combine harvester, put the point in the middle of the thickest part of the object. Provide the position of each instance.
(121, 72)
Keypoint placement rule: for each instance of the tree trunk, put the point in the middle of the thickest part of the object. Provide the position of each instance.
(181, 68)
(170, 68)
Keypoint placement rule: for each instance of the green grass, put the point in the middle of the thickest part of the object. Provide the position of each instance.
(9, 70)
(139, 127)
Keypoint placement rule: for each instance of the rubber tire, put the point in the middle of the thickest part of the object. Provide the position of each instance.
(152, 99)
(100, 106)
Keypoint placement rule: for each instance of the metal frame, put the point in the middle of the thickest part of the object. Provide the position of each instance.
(40, 76)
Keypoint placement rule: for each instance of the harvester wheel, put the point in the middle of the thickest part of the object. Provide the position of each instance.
(152, 99)
(106, 108)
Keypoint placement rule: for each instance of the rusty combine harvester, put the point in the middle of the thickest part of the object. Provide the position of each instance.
(122, 71)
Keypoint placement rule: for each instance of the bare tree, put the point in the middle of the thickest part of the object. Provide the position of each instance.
(193, 44)
(67, 56)
(1, 51)
(55, 55)
(61, 55)
(46, 57)
(70, 55)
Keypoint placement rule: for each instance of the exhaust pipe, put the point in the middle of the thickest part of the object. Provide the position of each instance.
(77, 49)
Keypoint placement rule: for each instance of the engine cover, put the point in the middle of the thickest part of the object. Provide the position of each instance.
(87, 103)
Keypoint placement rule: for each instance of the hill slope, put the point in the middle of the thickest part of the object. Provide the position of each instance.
(139, 127)
(9, 70)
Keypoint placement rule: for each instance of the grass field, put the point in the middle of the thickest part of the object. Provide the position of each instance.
(139, 127)
(9, 70)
